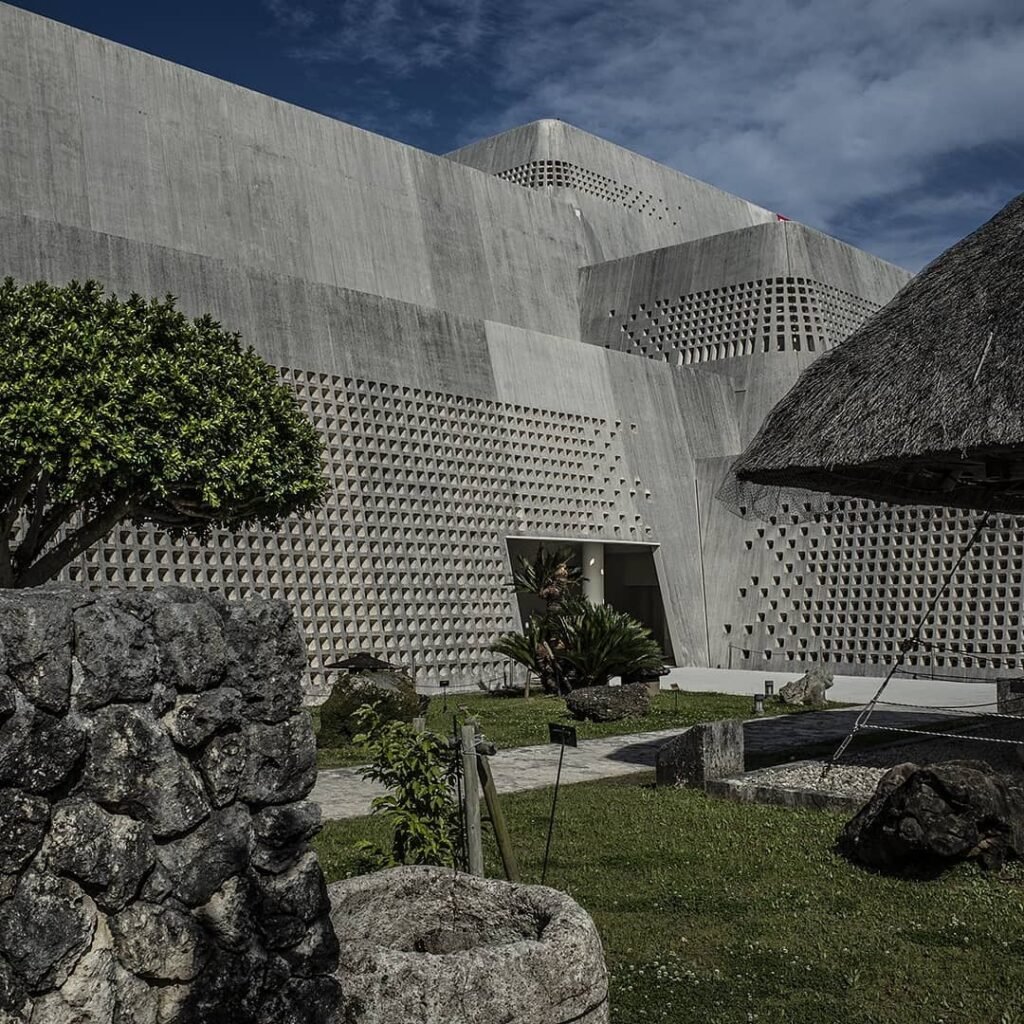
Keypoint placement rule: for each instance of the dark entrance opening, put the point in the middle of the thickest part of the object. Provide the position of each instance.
(630, 582)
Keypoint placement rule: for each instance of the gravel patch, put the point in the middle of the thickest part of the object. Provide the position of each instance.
(856, 775)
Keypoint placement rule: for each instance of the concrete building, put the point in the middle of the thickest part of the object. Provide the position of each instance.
(541, 335)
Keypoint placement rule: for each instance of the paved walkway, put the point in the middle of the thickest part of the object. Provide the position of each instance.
(343, 793)
(849, 689)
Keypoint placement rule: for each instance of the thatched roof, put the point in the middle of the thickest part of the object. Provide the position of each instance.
(924, 403)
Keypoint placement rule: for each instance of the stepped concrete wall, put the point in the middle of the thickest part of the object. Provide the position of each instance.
(464, 332)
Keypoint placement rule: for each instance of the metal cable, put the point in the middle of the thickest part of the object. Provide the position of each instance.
(907, 645)
(964, 709)
(944, 735)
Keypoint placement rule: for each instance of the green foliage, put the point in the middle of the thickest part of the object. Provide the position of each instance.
(599, 642)
(393, 695)
(418, 769)
(722, 912)
(116, 411)
(523, 721)
(532, 648)
(551, 576)
(576, 643)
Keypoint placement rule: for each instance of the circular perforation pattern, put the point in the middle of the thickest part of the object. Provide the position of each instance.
(407, 558)
(767, 315)
(561, 174)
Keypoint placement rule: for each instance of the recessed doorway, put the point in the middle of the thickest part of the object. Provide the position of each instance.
(630, 580)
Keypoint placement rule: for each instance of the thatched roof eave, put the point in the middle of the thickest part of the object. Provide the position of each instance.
(924, 403)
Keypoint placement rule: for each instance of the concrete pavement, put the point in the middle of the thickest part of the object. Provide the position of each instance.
(848, 689)
(343, 793)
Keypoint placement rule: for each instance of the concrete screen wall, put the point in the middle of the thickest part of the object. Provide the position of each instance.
(463, 331)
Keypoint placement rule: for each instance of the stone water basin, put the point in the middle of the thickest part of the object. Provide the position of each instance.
(423, 945)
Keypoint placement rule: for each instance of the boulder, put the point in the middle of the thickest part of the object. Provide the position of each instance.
(132, 766)
(195, 718)
(159, 943)
(191, 633)
(281, 766)
(421, 945)
(45, 927)
(199, 863)
(609, 703)
(39, 751)
(133, 886)
(280, 831)
(228, 914)
(924, 819)
(809, 689)
(365, 681)
(37, 645)
(221, 766)
(267, 659)
(115, 659)
(290, 902)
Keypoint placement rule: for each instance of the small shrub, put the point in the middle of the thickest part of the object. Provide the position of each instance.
(601, 642)
(418, 769)
(393, 694)
(581, 644)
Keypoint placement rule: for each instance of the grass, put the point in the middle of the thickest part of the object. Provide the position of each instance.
(520, 721)
(728, 913)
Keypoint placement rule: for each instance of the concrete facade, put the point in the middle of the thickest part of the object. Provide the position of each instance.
(464, 331)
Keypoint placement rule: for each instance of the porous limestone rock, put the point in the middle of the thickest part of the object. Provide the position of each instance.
(708, 750)
(809, 689)
(23, 822)
(609, 703)
(922, 820)
(142, 737)
(107, 854)
(423, 945)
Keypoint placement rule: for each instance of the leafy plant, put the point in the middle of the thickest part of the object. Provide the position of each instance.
(577, 643)
(551, 576)
(600, 642)
(391, 692)
(533, 648)
(115, 411)
(418, 769)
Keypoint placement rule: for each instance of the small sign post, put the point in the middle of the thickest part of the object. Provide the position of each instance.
(564, 736)
(443, 683)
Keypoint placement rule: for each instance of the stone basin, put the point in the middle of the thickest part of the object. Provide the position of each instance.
(424, 945)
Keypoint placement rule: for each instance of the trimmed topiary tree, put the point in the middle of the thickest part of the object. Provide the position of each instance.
(128, 411)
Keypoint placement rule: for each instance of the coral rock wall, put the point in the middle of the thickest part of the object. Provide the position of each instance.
(155, 865)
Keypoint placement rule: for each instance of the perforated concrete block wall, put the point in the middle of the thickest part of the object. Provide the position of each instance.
(407, 559)
(774, 314)
(848, 589)
(563, 174)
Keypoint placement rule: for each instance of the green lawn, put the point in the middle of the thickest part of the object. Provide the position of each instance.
(521, 721)
(725, 913)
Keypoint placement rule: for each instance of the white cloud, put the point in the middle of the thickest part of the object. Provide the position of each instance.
(292, 17)
(809, 107)
(398, 36)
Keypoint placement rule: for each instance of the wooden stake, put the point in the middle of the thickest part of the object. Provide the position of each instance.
(501, 834)
(471, 795)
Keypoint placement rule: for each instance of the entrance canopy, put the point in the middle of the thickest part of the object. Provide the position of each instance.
(924, 403)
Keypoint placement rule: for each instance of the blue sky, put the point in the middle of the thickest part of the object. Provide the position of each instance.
(897, 125)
